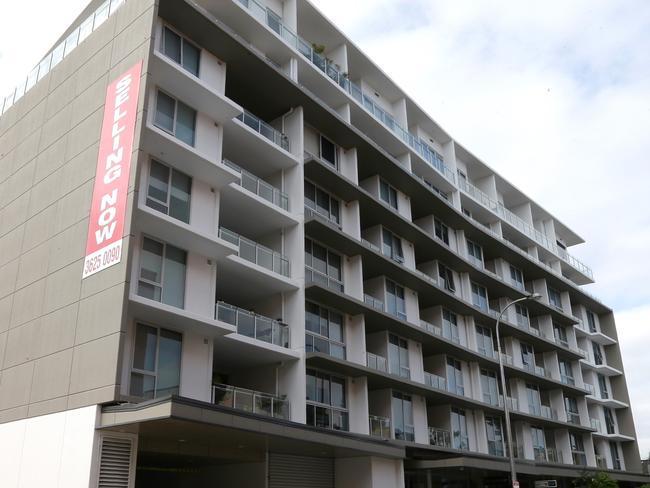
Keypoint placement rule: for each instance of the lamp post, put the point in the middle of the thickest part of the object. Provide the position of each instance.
(506, 411)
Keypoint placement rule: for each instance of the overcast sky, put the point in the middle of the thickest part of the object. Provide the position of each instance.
(554, 94)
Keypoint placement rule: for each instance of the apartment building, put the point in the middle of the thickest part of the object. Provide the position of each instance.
(234, 253)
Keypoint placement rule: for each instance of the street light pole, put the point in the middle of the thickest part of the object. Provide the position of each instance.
(506, 411)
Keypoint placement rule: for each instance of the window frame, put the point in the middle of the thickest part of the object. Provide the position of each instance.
(184, 40)
(402, 345)
(175, 117)
(517, 277)
(395, 298)
(155, 373)
(167, 204)
(472, 248)
(441, 230)
(162, 270)
(446, 274)
(308, 332)
(402, 398)
(473, 286)
(458, 378)
(391, 192)
(329, 251)
(395, 245)
(332, 216)
(321, 137)
(343, 411)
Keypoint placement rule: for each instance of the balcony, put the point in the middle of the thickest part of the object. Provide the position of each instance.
(549, 413)
(265, 149)
(379, 426)
(525, 228)
(373, 302)
(259, 187)
(250, 324)
(314, 276)
(435, 381)
(251, 401)
(439, 437)
(264, 129)
(595, 424)
(548, 455)
(256, 253)
(431, 328)
(318, 343)
(377, 362)
(311, 213)
(601, 461)
(573, 418)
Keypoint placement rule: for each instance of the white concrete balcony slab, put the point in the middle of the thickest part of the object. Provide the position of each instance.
(173, 152)
(263, 156)
(193, 91)
(255, 278)
(175, 318)
(182, 235)
(252, 214)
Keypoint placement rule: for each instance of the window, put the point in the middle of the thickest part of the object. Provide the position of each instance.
(450, 326)
(534, 399)
(577, 449)
(181, 51)
(516, 278)
(175, 117)
(539, 443)
(387, 193)
(494, 434)
(479, 296)
(398, 356)
(392, 246)
(475, 253)
(610, 423)
(616, 460)
(602, 384)
(598, 353)
(162, 273)
(169, 191)
(490, 387)
(566, 372)
(324, 331)
(322, 265)
(402, 406)
(554, 298)
(572, 413)
(521, 313)
(395, 303)
(322, 203)
(326, 403)
(484, 342)
(460, 440)
(560, 335)
(591, 320)
(156, 367)
(441, 231)
(455, 382)
(446, 278)
(328, 151)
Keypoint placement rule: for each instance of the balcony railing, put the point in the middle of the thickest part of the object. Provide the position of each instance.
(260, 187)
(431, 328)
(373, 302)
(567, 380)
(314, 276)
(595, 424)
(251, 401)
(435, 381)
(601, 461)
(252, 325)
(318, 343)
(590, 388)
(547, 455)
(341, 79)
(256, 253)
(573, 418)
(439, 437)
(379, 426)
(311, 213)
(377, 362)
(264, 129)
(524, 227)
(548, 412)
(54, 57)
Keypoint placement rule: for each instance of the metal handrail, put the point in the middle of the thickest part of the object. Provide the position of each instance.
(379, 426)
(439, 437)
(264, 129)
(251, 401)
(259, 187)
(250, 324)
(373, 302)
(257, 253)
(375, 361)
(315, 276)
(435, 381)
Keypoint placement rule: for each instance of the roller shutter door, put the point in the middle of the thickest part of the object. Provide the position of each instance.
(286, 471)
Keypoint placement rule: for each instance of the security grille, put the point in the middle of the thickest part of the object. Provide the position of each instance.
(286, 471)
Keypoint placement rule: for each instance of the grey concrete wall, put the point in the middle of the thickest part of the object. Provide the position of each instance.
(60, 336)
